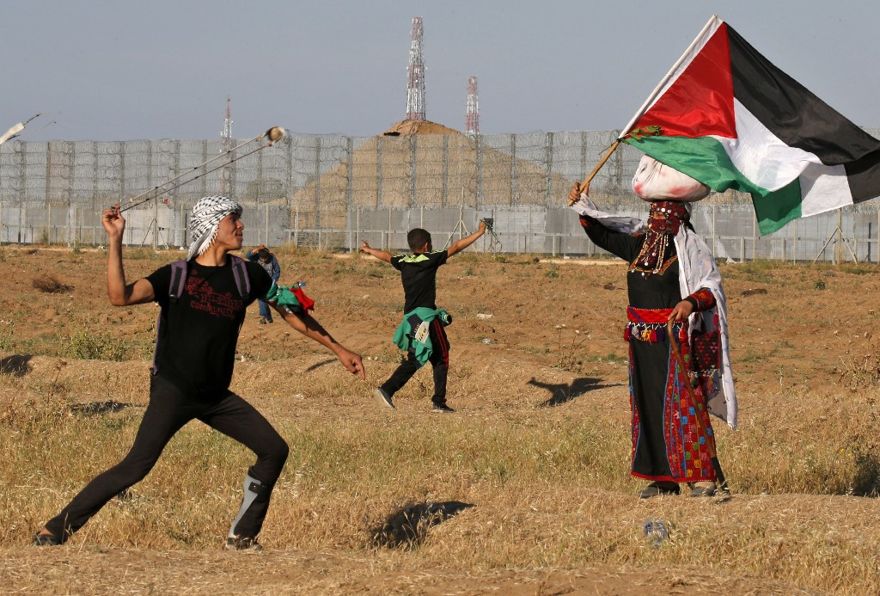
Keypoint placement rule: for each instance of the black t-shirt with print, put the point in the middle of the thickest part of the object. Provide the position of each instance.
(419, 276)
(198, 332)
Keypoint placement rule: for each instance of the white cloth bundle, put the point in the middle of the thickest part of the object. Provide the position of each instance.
(656, 181)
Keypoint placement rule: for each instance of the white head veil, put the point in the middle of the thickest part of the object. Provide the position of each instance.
(206, 216)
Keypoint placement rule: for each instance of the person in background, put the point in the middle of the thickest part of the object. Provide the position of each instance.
(261, 256)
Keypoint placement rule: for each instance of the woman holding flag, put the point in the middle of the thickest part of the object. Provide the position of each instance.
(676, 329)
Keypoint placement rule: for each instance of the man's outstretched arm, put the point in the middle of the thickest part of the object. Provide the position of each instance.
(382, 255)
(463, 243)
(312, 329)
(119, 293)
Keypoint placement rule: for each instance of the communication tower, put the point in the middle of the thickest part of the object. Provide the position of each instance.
(415, 74)
(472, 111)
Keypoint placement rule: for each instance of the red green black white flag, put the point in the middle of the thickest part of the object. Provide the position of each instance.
(727, 117)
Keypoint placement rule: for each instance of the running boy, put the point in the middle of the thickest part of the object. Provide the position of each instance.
(421, 333)
(203, 304)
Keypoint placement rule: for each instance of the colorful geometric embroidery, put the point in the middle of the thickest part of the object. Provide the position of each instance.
(706, 347)
(687, 430)
(703, 299)
(634, 408)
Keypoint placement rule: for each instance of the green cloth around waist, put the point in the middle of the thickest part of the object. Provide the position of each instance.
(413, 333)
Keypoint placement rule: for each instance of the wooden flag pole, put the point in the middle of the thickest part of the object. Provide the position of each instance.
(585, 185)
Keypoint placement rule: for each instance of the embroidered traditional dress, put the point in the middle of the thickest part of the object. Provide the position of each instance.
(672, 439)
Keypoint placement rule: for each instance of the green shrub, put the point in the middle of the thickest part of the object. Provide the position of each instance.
(88, 346)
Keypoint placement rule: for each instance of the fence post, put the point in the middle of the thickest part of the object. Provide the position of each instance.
(122, 177)
(204, 175)
(357, 229)
(412, 170)
(714, 241)
(70, 173)
(444, 195)
(585, 139)
(260, 179)
(548, 160)
(513, 169)
(47, 194)
(478, 196)
(379, 141)
(618, 164)
(317, 218)
(22, 185)
(349, 226)
(528, 229)
(95, 177)
(349, 178)
(388, 235)
(171, 231)
(755, 238)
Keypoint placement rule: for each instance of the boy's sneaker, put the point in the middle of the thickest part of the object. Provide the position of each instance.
(46, 540)
(441, 409)
(243, 543)
(384, 397)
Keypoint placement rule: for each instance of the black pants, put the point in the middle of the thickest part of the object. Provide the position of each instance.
(169, 409)
(439, 361)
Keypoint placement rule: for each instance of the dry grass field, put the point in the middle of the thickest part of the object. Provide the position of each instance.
(524, 490)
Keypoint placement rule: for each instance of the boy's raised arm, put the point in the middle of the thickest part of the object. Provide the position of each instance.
(379, 254)
(463, 243)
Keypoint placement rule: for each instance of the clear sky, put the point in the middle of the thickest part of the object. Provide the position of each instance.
(123, 69)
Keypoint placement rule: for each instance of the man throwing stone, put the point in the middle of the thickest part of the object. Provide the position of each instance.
(203, 303)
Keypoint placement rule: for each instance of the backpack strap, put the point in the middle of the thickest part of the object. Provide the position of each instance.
(178, 280)
(240, 274)
(175, 291)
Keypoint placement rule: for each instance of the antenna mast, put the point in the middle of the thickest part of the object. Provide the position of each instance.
(472, 110)
(415, 74)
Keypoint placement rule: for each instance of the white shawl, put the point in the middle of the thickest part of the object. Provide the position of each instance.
(696, 270)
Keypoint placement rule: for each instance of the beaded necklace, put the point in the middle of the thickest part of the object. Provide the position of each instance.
(664, 220)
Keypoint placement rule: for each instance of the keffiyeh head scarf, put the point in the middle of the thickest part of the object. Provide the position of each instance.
(206, 216)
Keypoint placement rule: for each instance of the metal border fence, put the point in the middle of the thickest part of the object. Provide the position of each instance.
(331, 192)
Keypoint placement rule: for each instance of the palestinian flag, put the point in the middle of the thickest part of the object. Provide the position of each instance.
(727, 117)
